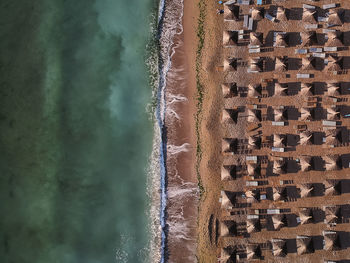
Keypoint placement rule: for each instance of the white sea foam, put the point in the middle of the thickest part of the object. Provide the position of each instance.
(175, 227)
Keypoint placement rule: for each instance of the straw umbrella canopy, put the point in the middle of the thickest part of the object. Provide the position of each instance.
(277, 222)
(230, 64)
(232, 12)
(331, 163)
(305, 163)
(228, 228)
(331, 137)
(251, 251)
(278, 141)
(304, 114)
(251, 167)
(227, 90)
(230, 38)
(252, 142)
(256, 14)
(306, 64)
(226, 145)
(252, 225)
(309, 16)
(305, 137)
(304, 216)
(225, 200)
(329, 240)
(332, 114)
(280, 41)
(306, 89)
(250, 196)
(226, 115)
(278, 113)
(332, 89)
(254, 64)
(281, 14)
(333, 18)
(255, 39)
(302, 245)
(277, 167)
(305, 190)
(276, 194)
(307, 38)
(225, 173)
(277, 247)
(225, 255)
(329, 188)
(279, 90)
(253, 91)
(331, 214)
(333, 64)
(333, 40)
(280, 65)
(251, 116)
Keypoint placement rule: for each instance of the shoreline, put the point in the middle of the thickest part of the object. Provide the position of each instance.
(182, 201)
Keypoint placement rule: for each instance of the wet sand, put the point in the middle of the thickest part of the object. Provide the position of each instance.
(182, 181)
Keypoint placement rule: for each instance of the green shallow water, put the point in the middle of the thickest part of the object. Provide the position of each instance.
(74, 135)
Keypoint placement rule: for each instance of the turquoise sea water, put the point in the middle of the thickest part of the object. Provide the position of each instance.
(75, 138)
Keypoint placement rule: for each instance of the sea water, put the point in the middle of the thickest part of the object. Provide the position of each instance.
(75, 136)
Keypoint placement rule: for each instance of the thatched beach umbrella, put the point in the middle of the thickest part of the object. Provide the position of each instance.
(277, 167)
(280, 41)
(304, 216)
(253, 91)
(231, 12)
(305, 137)
(302, 245)
(277, 222)
(252, 142)
(308, 38)
(305, 190)
(281, 14)
(230, 38)
(329, 188)
(332, 114)
(306, 89)
(334, 18)
(255, 64)
(255, 39)
(225, 173)
(256, 14)
(228, 228)
(251, 251)
(251, 167)
(278, 141)
(230, 64)
(279, 90)
(278, 247)
(229, 115)
(225, 255)
(280, 65)
(278, 113)
(332, 89)
(305, 163)
(331, 214)
(330, 240)
(304, 114)
(331, 163)
(251, 116)
(306, 64)
(333, 64)
(226, 145)
(225, 200)
(252, 225)
(309, 16)
(331, 137)
(276, 194)
(250, 196)
(333, 40)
